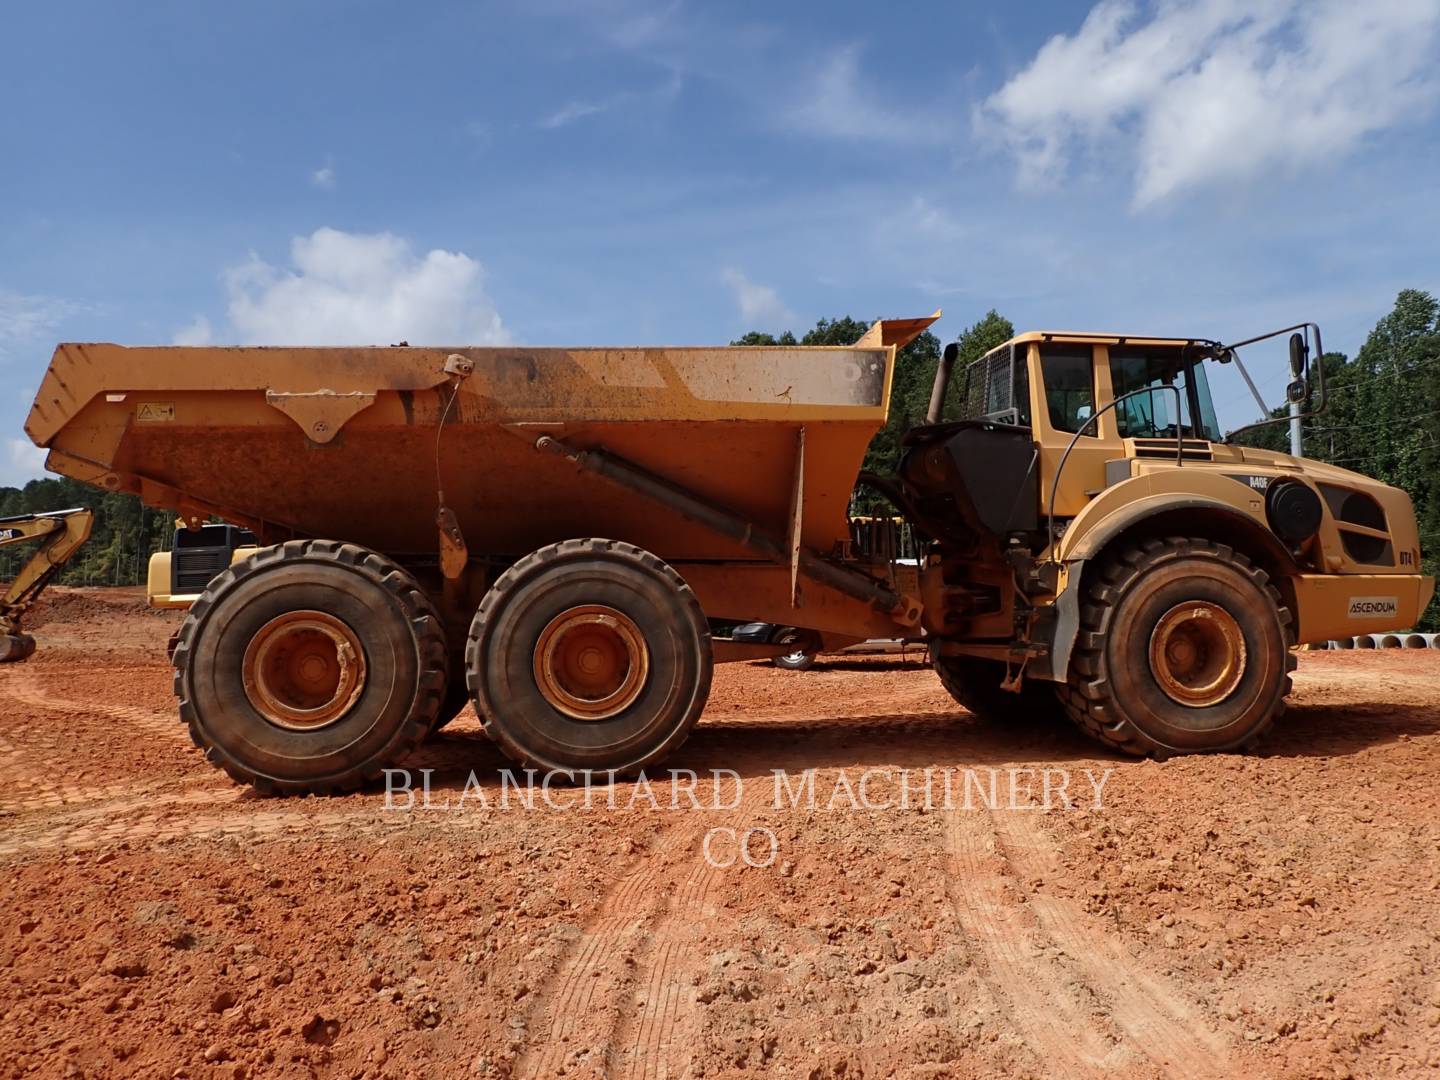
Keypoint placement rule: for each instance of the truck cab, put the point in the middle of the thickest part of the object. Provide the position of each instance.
(1074, 472)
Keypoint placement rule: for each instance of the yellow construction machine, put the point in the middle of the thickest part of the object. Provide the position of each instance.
(548, 532)
(59, 535)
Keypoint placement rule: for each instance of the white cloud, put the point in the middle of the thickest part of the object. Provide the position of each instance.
(25, 319)
(661, 93)
(573, 111)
(760, 306)
(834, 103)
(324, 177)
(1200, 92)
(196, 332)
(23, 461)
(361, 289)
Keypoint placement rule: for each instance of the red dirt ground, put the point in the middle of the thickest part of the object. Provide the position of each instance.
(1276, 914)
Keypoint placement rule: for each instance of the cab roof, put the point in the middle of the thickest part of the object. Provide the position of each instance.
(1075, 336)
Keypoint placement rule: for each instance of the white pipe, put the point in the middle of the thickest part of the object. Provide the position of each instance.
(1416, 641)
(1389, 641)
(1343, 643)
(1365, 641)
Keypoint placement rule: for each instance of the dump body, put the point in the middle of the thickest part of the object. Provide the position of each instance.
(343, 443)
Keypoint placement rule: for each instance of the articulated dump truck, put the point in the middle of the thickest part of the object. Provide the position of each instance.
(548, 532)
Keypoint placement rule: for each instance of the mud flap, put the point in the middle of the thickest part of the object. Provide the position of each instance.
(1055, 630)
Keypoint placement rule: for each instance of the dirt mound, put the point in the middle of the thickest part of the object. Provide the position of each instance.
(68, 605)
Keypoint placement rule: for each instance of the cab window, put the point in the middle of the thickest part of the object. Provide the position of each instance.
(1153, 414)
(1069, 378)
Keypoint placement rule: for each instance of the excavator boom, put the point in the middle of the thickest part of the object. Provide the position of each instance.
(60, 532)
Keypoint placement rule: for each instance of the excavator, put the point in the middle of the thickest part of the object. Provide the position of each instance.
(60, 534)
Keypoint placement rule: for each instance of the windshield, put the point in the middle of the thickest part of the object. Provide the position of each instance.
(1152, 415)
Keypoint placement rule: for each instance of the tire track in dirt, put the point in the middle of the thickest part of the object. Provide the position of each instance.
(1154, 1018)
(22, 775)
(1032, 989)
(97, 799)
(35, 787)
(594, 1006)
(152, 822)
(603, 944)
(1080, 1001)
(659, 1047)
(28, 689)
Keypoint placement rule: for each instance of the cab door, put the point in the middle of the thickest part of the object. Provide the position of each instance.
(1069, 384)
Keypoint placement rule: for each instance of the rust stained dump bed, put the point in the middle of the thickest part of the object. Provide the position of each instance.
(341, 442)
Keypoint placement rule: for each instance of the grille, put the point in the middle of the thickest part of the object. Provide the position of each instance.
(1165, 448)
(1364, 532)
(990, 387)
(194, 567)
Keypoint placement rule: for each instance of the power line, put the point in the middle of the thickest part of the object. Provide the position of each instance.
(1377, 423)
(1351, 460)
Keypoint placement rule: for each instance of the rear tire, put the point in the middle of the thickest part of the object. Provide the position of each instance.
(589, 655)
(1184, 647)
(975, 683)
(310, 667)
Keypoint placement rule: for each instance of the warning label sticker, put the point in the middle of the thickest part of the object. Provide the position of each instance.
(155, 412)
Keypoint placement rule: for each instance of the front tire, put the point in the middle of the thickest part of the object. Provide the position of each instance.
(1184, 647)
(974, 682)
(589, 655)
(310, 667)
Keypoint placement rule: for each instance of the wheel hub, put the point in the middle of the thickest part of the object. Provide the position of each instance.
(1197, 653)
(591, 662)
(304, 669)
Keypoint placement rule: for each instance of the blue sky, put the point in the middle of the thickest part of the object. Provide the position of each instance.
(629, 171)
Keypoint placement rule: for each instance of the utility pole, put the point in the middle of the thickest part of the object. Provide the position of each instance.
(1297, 442)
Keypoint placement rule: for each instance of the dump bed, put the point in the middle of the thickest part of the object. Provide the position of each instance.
(343, 443)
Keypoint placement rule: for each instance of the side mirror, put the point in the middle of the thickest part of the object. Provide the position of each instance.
(1299, 356)
(1298, 392)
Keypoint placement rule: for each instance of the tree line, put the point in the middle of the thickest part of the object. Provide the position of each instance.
(125, 535)
(1383, 421)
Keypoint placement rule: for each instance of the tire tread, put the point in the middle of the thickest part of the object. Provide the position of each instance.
(379, 570)
(1086, 695)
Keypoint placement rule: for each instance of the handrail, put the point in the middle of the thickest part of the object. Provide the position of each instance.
(1055, 485)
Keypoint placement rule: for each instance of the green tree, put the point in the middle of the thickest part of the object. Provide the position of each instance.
(124, 537)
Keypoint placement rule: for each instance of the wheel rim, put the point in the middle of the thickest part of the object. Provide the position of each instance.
(304, 669)
(794, 657)
(1197, 653)
(591, 662)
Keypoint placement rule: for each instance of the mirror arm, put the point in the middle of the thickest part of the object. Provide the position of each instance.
(1309, 328)
(1240, 367)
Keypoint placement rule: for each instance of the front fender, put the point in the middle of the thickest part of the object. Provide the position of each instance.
(1185, 498)
(1194, 492)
